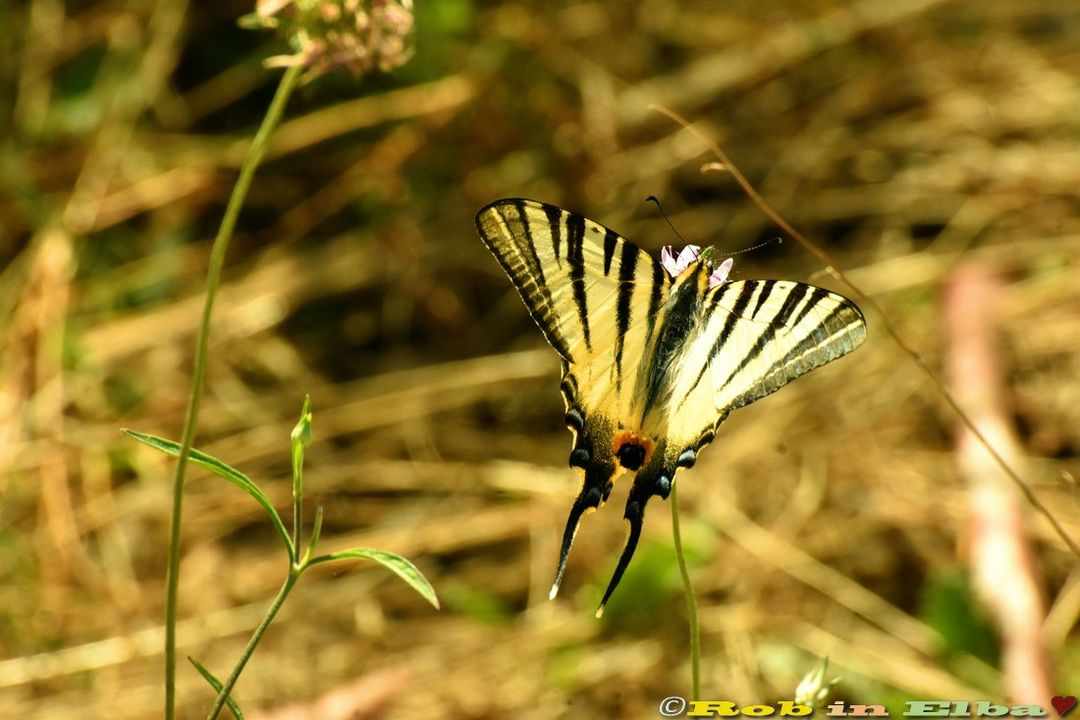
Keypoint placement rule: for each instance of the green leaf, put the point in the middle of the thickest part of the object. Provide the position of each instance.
(393, 562)
(217, 685)
(216, 466)
(316, 531)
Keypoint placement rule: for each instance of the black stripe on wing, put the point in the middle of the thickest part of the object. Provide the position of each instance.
(778, 322)
(517, 256)
(816, 297)
(526, 246)
(554, 217)
(575, 255)
(611, 239)
(741, 302)
(809, 328)
(766, 290)
(834, 333)
(838, 333)
(623, 306)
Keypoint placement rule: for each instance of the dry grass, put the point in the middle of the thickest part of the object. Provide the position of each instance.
(904, 136)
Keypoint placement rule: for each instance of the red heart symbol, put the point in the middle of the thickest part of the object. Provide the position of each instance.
(1064, 704)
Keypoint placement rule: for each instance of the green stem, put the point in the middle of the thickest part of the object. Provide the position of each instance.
(213, 278)
(298, 510)
(279, 599)
(298, 501)
(691, 603)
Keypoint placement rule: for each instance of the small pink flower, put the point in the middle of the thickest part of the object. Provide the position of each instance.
(720, 274)
(676, 265)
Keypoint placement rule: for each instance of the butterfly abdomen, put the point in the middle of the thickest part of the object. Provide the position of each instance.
(674, 329)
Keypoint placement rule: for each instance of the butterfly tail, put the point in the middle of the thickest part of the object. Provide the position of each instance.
(635, 515)
(653, 480)
(585, 501)
(595, 491)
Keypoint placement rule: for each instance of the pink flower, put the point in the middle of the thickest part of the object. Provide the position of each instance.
(719, 275)
(676, 265)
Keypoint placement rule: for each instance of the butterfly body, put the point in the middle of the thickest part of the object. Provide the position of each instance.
(652, 364)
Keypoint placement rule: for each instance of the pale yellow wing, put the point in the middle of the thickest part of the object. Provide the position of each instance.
(754, 337)
(594, 294)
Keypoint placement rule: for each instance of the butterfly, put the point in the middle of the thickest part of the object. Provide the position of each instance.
(655, 354)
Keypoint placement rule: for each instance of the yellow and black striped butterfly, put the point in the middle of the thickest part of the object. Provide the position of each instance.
(655, 354)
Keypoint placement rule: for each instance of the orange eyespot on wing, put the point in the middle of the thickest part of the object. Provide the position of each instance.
(632, 449)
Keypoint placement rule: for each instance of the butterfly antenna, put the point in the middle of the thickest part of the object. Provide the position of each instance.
(778, 240)
(653, 198)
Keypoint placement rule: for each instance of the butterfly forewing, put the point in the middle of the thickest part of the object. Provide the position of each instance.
(593, 293)
(755, 337)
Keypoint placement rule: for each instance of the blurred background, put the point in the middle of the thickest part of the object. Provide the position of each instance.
(930, 147)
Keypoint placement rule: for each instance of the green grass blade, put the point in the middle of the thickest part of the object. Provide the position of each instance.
(216, 684)
(231, 474)
(393, 562)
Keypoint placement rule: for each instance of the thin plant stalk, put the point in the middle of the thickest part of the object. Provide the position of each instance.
(249, 649)
(298, 511)
(213, 278)
(691, 601)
